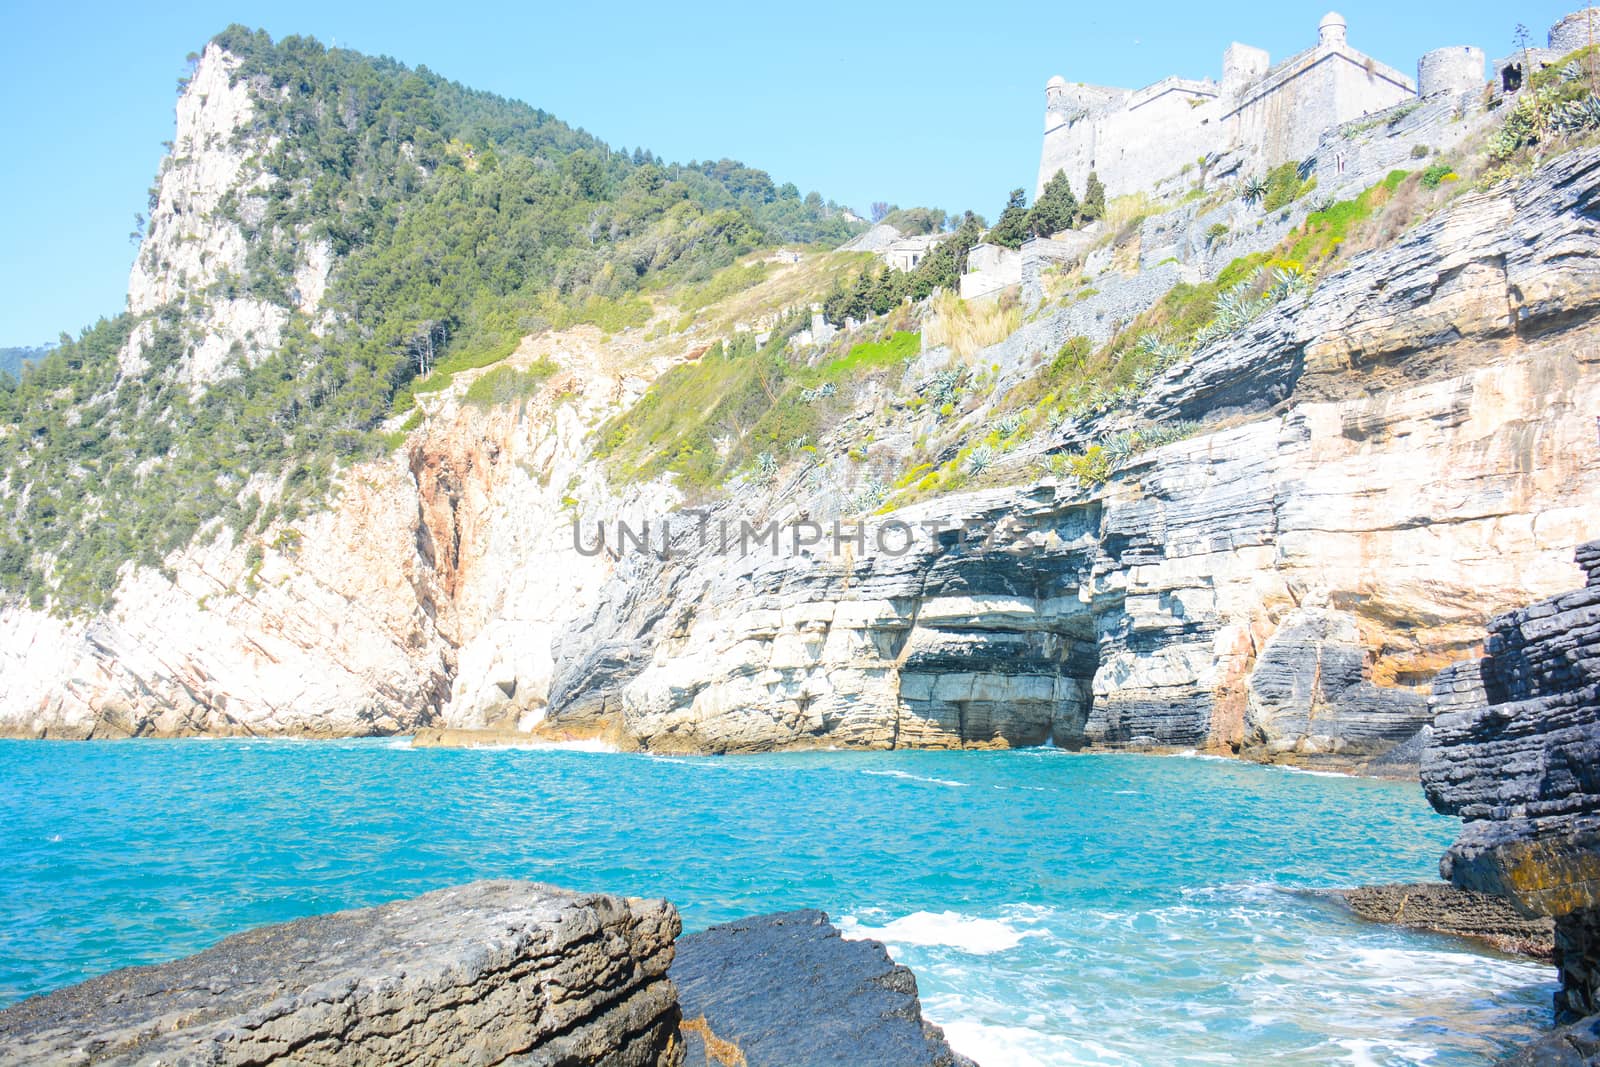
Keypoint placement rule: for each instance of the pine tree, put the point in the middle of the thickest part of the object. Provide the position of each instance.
(1094, 199)
(1012, 229)
(1056, 209)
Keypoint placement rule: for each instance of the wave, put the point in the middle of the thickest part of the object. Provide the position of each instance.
(916, 778)
(1287, 769)
(947, 929)
(588, 745)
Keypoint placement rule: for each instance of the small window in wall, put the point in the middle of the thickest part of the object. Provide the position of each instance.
(1341, 162)
(1511, 77)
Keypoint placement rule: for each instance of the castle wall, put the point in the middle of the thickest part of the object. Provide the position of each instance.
(1359, 154)
(1128, 146)
(1450, 70)
(1577, 30)
(1137, 141)
(1283, 118)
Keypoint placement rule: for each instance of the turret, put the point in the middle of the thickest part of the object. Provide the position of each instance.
(1242, 64)
(1577, 30)
(1450, 70)
(1331, 30)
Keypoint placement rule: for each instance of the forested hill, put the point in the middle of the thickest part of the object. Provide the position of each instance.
(446, 224)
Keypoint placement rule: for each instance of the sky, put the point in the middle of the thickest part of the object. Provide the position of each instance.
(909, 101)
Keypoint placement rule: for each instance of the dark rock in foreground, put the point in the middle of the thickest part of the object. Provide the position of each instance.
(1517, 756)
(488, 973)
(1442, 908)
(788, 991)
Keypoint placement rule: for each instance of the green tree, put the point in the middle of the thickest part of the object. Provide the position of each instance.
(1012, 228)
(1056, 208)
(1094, 199)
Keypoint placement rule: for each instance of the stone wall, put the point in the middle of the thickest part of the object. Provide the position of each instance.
(1521, 766)
(1144, 140)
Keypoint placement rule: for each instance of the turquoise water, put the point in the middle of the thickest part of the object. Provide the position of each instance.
(1057, 908)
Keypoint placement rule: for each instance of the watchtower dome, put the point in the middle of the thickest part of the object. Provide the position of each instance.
(1332, 29)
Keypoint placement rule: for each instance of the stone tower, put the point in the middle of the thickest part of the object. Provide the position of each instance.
(1577, 30)
(1450, 70)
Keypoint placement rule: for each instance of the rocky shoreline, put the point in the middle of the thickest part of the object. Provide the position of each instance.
(498, 973)
(1441, 908)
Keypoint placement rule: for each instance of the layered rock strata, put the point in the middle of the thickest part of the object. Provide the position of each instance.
(1517, 756)
(1441, 908)
(1380, 467)
(489, 973)
(787, 989)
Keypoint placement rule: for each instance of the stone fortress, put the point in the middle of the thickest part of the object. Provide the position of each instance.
(1138, 140)
(1339, 115)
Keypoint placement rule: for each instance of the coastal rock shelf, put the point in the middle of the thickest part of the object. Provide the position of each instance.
(1516, 753)
(498, 973)
(488, 973)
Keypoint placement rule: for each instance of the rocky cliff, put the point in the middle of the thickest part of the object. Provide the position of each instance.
(1514, 752)
(1389, 462)
(1516, 756)
(1379, 466)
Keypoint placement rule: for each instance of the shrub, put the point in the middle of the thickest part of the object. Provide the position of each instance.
(507, 385)
(1437, 174)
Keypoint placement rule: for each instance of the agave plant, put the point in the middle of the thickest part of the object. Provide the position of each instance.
(1118, 447)
(945, 386)
(1576, 116)
(766, 468)
(869, 497)
(981, 459)
(1286, 282)
(1008, 425)
(1254, 190)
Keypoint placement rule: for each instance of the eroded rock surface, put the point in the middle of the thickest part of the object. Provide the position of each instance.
(488, 973)
(1517, 756)
(784, 990)
(1443, 908)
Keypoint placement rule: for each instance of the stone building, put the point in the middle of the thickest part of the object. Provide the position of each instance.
(1137, 140)
(990, 269)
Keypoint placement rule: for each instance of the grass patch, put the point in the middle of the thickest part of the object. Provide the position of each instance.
(869, 356)
(1284, 187)
(727, 282)
(968, 328)
(1325, 232)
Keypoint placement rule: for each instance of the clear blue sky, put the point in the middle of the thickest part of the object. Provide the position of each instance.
(911, 101)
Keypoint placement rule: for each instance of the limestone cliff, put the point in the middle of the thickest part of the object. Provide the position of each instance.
(1380, 466)
(1414, 447)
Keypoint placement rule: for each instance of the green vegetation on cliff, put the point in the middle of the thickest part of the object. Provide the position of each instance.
(459, 222)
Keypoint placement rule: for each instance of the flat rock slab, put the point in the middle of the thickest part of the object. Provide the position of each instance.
(1442, 908)
(487, 973)
(788, 991)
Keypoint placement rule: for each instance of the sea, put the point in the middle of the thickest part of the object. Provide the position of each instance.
(1057, 908)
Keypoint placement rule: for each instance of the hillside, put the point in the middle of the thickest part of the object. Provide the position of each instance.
(329, 235)
(1240, 467)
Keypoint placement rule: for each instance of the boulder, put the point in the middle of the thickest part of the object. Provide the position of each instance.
(785, 990)
(487, 973)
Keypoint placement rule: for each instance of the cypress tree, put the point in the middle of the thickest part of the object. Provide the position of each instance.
(1056, 209)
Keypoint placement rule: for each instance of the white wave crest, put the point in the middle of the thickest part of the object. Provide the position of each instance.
(948, 929)
(916, 778)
